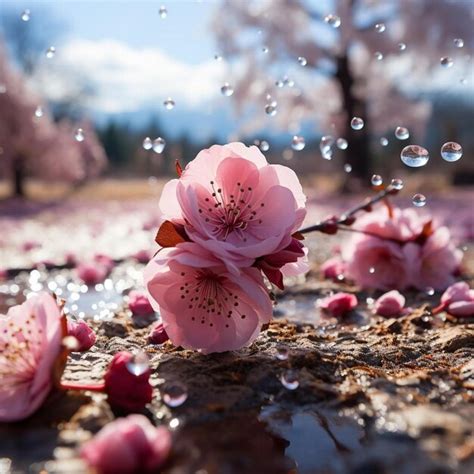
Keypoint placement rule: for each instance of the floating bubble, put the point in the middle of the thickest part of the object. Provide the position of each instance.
(380, 27)
(289, 379)
(139, 364)
(159, 145)
(302, 60)
(169, 103)
(446, 61)
(415, 156)
(376, 180)
(79, 135)
(39, 111)
(174, 394)
(147, 143)
(163, 12)
(383, 141)
(25, 16)
(402, 46)
(50, 52)
(174, 423)
(333, 20)
(357, 123)
(271, 109)
(378, 56)
(227, 90)
(282, 352)
(418, 200)
(342, 143)
(264, 145)
(402, 133)
(397, 184)
(325, 145)
(458, 42)
(298, 143)
(451, 151)
(347, 168)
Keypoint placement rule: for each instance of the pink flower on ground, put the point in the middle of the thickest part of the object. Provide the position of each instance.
(404, 250)
(30, 342)
(339, 304)
(457, 300)
(142, 256)
(203, 306)
(234, 204)
(158, 334)
(91, 273)
(126, 390)
(104, 261)
(139, 304)
(83, 333)
(127, 446)
(333, 268)
(390, 304)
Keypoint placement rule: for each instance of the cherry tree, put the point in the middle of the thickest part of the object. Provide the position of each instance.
(32, 144)
(332, 61)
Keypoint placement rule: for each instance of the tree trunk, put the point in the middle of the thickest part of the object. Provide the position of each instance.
(18, 178)
(358, 153)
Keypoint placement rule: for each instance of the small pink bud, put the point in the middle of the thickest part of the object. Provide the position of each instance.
(339, 304)
(83, 333)
(91, 273)
(333, 268)
(390, 304)
(157, 334)
(139, 304)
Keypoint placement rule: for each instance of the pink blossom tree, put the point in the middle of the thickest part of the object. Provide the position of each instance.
(33, 145)
(340, 55)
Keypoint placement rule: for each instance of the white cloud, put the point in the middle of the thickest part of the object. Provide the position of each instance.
(127, 79)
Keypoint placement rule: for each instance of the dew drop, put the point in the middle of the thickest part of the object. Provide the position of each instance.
(342, 143)
(451, 151)
(397, 184)
(302, 60)
(288, 82)
(279, 83)
(174, 423)
(357, 123)
(282, 352)
(25, 16)
(70, 343)
(227, 90)
(79, 135)
(430, 291)
(402, 133)
(446, 61)
(298, 143)
(39, 111)
(415, 156)
(371, 270)
(264, 145)
(50, 52)
(376, 180)
(147, 143)
(289, 379)
(402, 46)
(378, 56)
(326, 143)
(174, 394)
(138, 364)
(271, 109)
(347, 168)
(163, 12)
(463, 81)
(458, 42)
(169, 103)
(384, 141)
(418, 200)
(333, 20)
(217, 57)
(265, 49)
(159, 145)
(380, 27)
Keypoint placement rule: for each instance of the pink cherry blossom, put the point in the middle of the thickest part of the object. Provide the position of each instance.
(204, 306)
(339, 304)
(138, 303)
(128, 445)
(83, 333)
(234, 204)
(457, 300)
(91, 273)
(390, 304)
(30, 342)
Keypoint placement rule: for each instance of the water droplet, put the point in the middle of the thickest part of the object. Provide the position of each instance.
(174, 423)
(384, 141)
(174, 394)
(378, 56)
(402, 133)
(430, 291)
(39, 111)
(147, 143)
(380, 27)
(298, 143)
(341, 143)
(458, 42)
(418, 200)
(227, 90)
(217, 57)
(357, 123)
(265, 49)
(402, 46)
(371, 270)
(79, 135)
(302, 60)
(289, 379)
(264, 145)
(446, 61)
(279, 83)
(415, 156)
(333, 20)
(451, 151)
(397, 184)
(376, 180)
(463, 81)
(138, 364)
(288, 82)
(3, 88)
(271, 109)
(159, 145)
(282, 352)
(25, 16)
(50, 52)
(347, 168)
(169, 103)
(326, 143)
(70, 343)
(163, 12)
